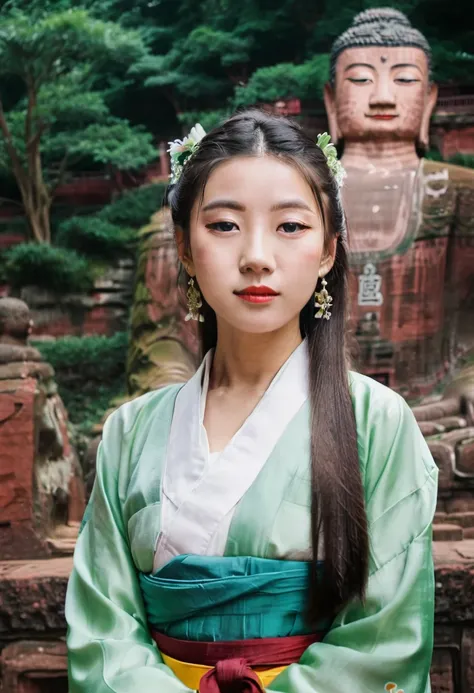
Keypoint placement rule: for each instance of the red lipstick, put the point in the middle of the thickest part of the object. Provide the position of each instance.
(383, 116)
(257, 294)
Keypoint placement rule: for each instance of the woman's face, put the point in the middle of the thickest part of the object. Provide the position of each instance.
(257, 244)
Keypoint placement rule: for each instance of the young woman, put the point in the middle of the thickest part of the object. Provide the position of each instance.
(266, 526)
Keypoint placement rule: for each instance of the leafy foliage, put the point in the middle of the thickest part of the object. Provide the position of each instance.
(94, 237)
(86, 388)
(208, 119)
(466, 160)
(56, 269)
(284, 80)
(78, 356)
(111, 232)
(115, 143)
(135, 207)
(64, 65)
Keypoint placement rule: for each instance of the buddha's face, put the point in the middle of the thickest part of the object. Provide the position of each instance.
(381, 93)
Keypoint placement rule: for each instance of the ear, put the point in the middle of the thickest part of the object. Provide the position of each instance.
(183, 254)
(327, 260)
(330, 104)
(425, 121)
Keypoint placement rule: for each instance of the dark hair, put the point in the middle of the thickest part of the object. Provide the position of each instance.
(338, 508)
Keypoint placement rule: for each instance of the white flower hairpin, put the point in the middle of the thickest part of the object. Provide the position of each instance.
(330, 152)
(181, 150)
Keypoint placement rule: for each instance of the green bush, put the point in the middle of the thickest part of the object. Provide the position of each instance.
(466, 160)
(91, 358)
(434, 155)
(94, 237)
(459, 159)
(87, 405)
(90, 372)
(56, 269)
(3, 262)
(135, 207)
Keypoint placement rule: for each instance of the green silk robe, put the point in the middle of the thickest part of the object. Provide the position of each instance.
(386, 639)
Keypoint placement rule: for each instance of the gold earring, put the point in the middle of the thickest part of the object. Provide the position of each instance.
(322, 302)
(194, 302)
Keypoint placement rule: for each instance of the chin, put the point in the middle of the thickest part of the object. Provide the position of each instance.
(258, 325)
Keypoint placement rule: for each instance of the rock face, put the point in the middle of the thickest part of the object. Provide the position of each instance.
(103, 311)
(163, 346)
(41, 488)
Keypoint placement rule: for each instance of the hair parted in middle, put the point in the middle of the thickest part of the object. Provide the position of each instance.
(338, 517)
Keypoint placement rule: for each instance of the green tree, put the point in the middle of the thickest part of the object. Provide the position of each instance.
(206, 58)
(216, 55)
(284, 80)
(55, 63)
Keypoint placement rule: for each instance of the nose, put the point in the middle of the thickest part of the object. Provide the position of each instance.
(382, 94)
(257, 256)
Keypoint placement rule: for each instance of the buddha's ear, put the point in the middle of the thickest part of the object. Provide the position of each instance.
(330, 104)
(183, 252)
(430, 104)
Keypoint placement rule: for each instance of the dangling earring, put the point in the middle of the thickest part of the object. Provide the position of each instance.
(323, 302)
(194, 302)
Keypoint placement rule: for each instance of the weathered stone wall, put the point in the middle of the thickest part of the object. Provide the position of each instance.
(104, 311)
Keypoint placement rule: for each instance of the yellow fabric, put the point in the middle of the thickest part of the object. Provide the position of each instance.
(191, 674)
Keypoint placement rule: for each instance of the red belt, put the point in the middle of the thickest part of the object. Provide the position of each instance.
(232, 660)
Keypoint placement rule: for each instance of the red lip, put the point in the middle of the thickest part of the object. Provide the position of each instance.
(257, 291)
(381, 116)
(257, 294)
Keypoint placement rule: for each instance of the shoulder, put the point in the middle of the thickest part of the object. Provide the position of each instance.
(380, 411)
(374, 402)
(141, 410)
(389, 439)
(127, 428)
(459, 176)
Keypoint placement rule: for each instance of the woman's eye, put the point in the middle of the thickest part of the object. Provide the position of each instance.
(292, 227)
(224, 226)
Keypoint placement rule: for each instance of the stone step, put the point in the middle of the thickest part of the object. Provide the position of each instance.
(447, 532)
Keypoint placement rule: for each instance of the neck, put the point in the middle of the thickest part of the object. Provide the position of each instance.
(387, 154)
(251, 360)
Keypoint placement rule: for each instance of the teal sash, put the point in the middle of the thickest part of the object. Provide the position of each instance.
(232, 598)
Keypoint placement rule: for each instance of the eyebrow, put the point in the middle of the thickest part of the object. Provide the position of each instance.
(399, 65)
(223, 204)
(371, 67)
(349, 67)
(232, 204)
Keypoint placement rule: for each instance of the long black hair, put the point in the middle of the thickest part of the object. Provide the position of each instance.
(338, 509)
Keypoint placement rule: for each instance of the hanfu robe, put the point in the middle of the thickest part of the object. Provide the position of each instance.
(216, 547)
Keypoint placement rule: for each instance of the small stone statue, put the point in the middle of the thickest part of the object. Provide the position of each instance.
(41, 493)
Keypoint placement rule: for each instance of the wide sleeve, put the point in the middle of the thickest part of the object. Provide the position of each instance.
(388, 639)
(110, 649)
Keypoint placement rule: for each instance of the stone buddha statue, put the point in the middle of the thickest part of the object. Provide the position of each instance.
(410, 220)
(163, 346)
(411, 243)
(41, 491)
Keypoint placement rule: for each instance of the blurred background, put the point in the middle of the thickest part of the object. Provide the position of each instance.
(91, 93)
